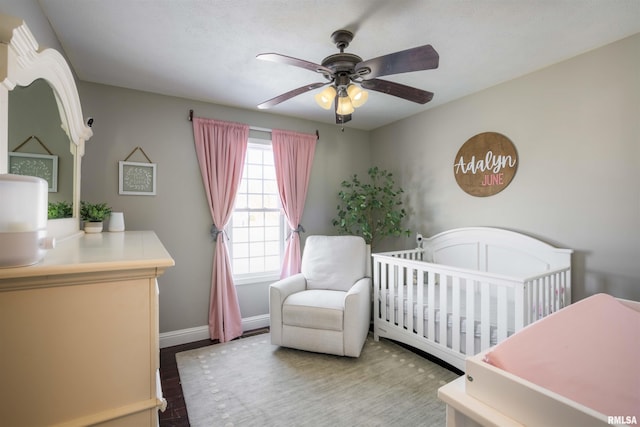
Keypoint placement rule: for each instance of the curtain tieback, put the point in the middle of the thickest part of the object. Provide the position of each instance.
(298, 230)
(215, 232)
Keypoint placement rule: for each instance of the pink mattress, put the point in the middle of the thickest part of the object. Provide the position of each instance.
(588, 352)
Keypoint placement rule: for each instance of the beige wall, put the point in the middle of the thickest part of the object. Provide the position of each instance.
(576, 126)
(125, 119)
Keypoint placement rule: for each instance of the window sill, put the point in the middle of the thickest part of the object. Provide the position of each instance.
(252, 279)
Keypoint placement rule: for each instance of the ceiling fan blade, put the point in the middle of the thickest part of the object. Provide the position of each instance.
(416, 59)
(288, 60)
(396, 89)
(288, 95)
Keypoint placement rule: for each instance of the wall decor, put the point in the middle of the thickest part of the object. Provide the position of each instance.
(137, 179)
(43, 166)
(485, 164)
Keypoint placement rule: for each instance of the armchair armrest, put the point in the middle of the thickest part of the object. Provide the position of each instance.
(361, 289)
(357, 314)
(278, 292)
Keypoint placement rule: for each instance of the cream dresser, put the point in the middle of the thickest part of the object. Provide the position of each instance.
(79, 334)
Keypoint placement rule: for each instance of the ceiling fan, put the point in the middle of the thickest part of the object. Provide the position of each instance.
(347, 75)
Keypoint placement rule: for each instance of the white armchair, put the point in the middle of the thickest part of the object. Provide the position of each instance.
(327, 307)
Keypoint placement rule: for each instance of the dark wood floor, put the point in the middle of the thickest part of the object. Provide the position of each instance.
(176, 412)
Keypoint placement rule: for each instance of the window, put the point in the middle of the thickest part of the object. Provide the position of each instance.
(256, 229)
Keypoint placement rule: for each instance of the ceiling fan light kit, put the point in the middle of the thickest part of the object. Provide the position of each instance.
(348, 74)
(325, 97)
(357, 95)
(344, 107)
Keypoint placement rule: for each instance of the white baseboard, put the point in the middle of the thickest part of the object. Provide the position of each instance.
(255, 322)
(184, 336)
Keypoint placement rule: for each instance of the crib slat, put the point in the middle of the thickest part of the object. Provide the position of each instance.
(520, 302)
(384, 283)
(547, 295)
(455, 315)
(502, 314)
(535, 290)
(553, 292)
(431, 303)
(485, 317)
(412, 282)
(443, 309)
(376, 290)
(566, 287)
(420, 303)
(395, 289)
(539, 298)
(470, 335)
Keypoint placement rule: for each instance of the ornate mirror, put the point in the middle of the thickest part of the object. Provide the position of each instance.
(32, 82)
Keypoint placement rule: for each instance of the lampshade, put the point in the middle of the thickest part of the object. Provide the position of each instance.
(357, 95)
(325, 98)
(345, 106)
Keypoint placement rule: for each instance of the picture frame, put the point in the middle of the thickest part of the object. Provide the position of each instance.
(43, 166)
(137, 179)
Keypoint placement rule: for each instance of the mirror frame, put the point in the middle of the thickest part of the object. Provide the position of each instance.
(21, 63)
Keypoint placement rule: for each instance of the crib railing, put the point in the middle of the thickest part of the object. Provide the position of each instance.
(446, 305)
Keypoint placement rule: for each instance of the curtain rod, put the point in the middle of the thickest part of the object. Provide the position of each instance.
(253, 127)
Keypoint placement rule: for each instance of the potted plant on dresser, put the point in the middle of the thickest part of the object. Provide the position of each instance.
(93, 215)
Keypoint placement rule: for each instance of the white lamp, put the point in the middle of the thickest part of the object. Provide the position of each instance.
(325, 98)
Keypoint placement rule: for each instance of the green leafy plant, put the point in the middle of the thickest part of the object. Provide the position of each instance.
(371, 209)
(94, 212)
(57, 210)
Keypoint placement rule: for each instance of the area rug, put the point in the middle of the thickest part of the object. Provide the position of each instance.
(249, 382)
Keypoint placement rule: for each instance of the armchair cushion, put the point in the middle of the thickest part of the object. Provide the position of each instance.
(333, 262)
(318, 309)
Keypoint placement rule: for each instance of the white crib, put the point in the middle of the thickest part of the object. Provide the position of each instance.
(479, 285)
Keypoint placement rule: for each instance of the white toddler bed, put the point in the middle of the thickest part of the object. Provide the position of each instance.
(479, 285)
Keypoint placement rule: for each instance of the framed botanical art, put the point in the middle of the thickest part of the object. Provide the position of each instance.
(39, 165)
(137, 179)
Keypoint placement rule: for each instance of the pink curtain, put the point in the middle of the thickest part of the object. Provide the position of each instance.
(221, 148)
(293, 156)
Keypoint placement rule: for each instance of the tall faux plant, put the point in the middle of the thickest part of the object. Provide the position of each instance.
(371, 209)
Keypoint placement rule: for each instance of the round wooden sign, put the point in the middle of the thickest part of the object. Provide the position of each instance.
(485, 164)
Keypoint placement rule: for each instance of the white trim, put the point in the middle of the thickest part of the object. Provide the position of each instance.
(255, 322)
(259, 129)
(256, 278)
(266, 147)
(184, 336)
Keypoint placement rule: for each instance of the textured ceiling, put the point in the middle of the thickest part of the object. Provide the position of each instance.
(205, 49)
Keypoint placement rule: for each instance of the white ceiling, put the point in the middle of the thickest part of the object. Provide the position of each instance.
(205, 49)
